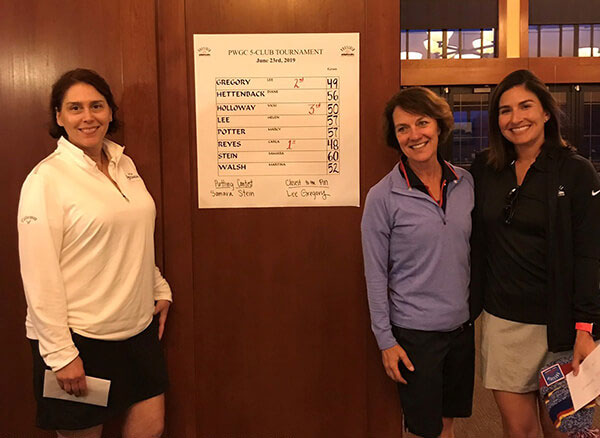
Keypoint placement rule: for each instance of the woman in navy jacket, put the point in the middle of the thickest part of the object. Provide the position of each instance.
(536, 250)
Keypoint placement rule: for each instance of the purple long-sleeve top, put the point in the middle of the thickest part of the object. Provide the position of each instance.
(416, 256)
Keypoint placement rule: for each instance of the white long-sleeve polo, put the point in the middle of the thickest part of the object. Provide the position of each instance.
(87, 251)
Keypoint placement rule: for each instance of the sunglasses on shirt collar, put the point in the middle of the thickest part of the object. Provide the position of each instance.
(511, 204)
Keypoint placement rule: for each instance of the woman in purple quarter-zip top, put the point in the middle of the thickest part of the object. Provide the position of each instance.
(416, 228)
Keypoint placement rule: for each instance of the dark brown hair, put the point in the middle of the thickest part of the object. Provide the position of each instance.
(66, 81)
(502, 151)
(422, 101)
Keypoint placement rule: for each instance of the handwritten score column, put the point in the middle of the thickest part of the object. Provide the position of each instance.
(277, 140)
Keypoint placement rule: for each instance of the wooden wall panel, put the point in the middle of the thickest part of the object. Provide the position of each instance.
(139, 101)
(524, 28)
(502, 28)
(566, 70)
(38, 42)
(279, 316)
(380, 80)
(458, 71)
(178, 204)
(280, 327)
(491, 70)
(34, 52)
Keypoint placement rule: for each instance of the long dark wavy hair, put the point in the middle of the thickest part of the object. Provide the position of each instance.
(502, 151)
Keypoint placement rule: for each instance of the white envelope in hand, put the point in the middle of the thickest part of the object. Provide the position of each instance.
(97, 390)
(586, 386)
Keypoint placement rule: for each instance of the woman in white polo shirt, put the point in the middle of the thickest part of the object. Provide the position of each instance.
(96, 302)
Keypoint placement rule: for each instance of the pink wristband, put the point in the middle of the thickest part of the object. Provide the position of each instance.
(584, 326)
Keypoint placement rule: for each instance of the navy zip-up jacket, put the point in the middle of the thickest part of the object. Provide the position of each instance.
(573, 244)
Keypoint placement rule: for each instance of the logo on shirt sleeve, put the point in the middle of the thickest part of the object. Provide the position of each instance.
(28, 219)
(131, 175)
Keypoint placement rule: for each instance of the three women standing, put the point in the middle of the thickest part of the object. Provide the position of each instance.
(86, 227)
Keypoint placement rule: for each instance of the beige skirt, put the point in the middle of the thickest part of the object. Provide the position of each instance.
(512, 354)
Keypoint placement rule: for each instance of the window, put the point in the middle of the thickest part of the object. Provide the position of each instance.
(448, 44)
(560, 28)
(448, 29)
(567, 43)
(415, 44)
(581, 40)
(549, 44)
(470, 135)
(590, 142)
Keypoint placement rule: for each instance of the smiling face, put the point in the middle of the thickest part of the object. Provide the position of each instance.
(521, 117)
(417, 135)
(85, 115)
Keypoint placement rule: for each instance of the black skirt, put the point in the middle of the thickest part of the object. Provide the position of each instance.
(135, 367)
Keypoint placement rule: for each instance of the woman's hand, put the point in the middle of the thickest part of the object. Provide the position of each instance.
(71, 378)
(584, 345)
(391, 357)
(162, 307)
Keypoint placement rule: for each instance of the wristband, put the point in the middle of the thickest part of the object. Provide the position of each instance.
(584, 326)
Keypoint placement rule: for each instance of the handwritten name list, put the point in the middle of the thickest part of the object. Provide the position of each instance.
(274, 130)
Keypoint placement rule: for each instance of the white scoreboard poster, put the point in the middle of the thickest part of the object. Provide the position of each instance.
(277, 120)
